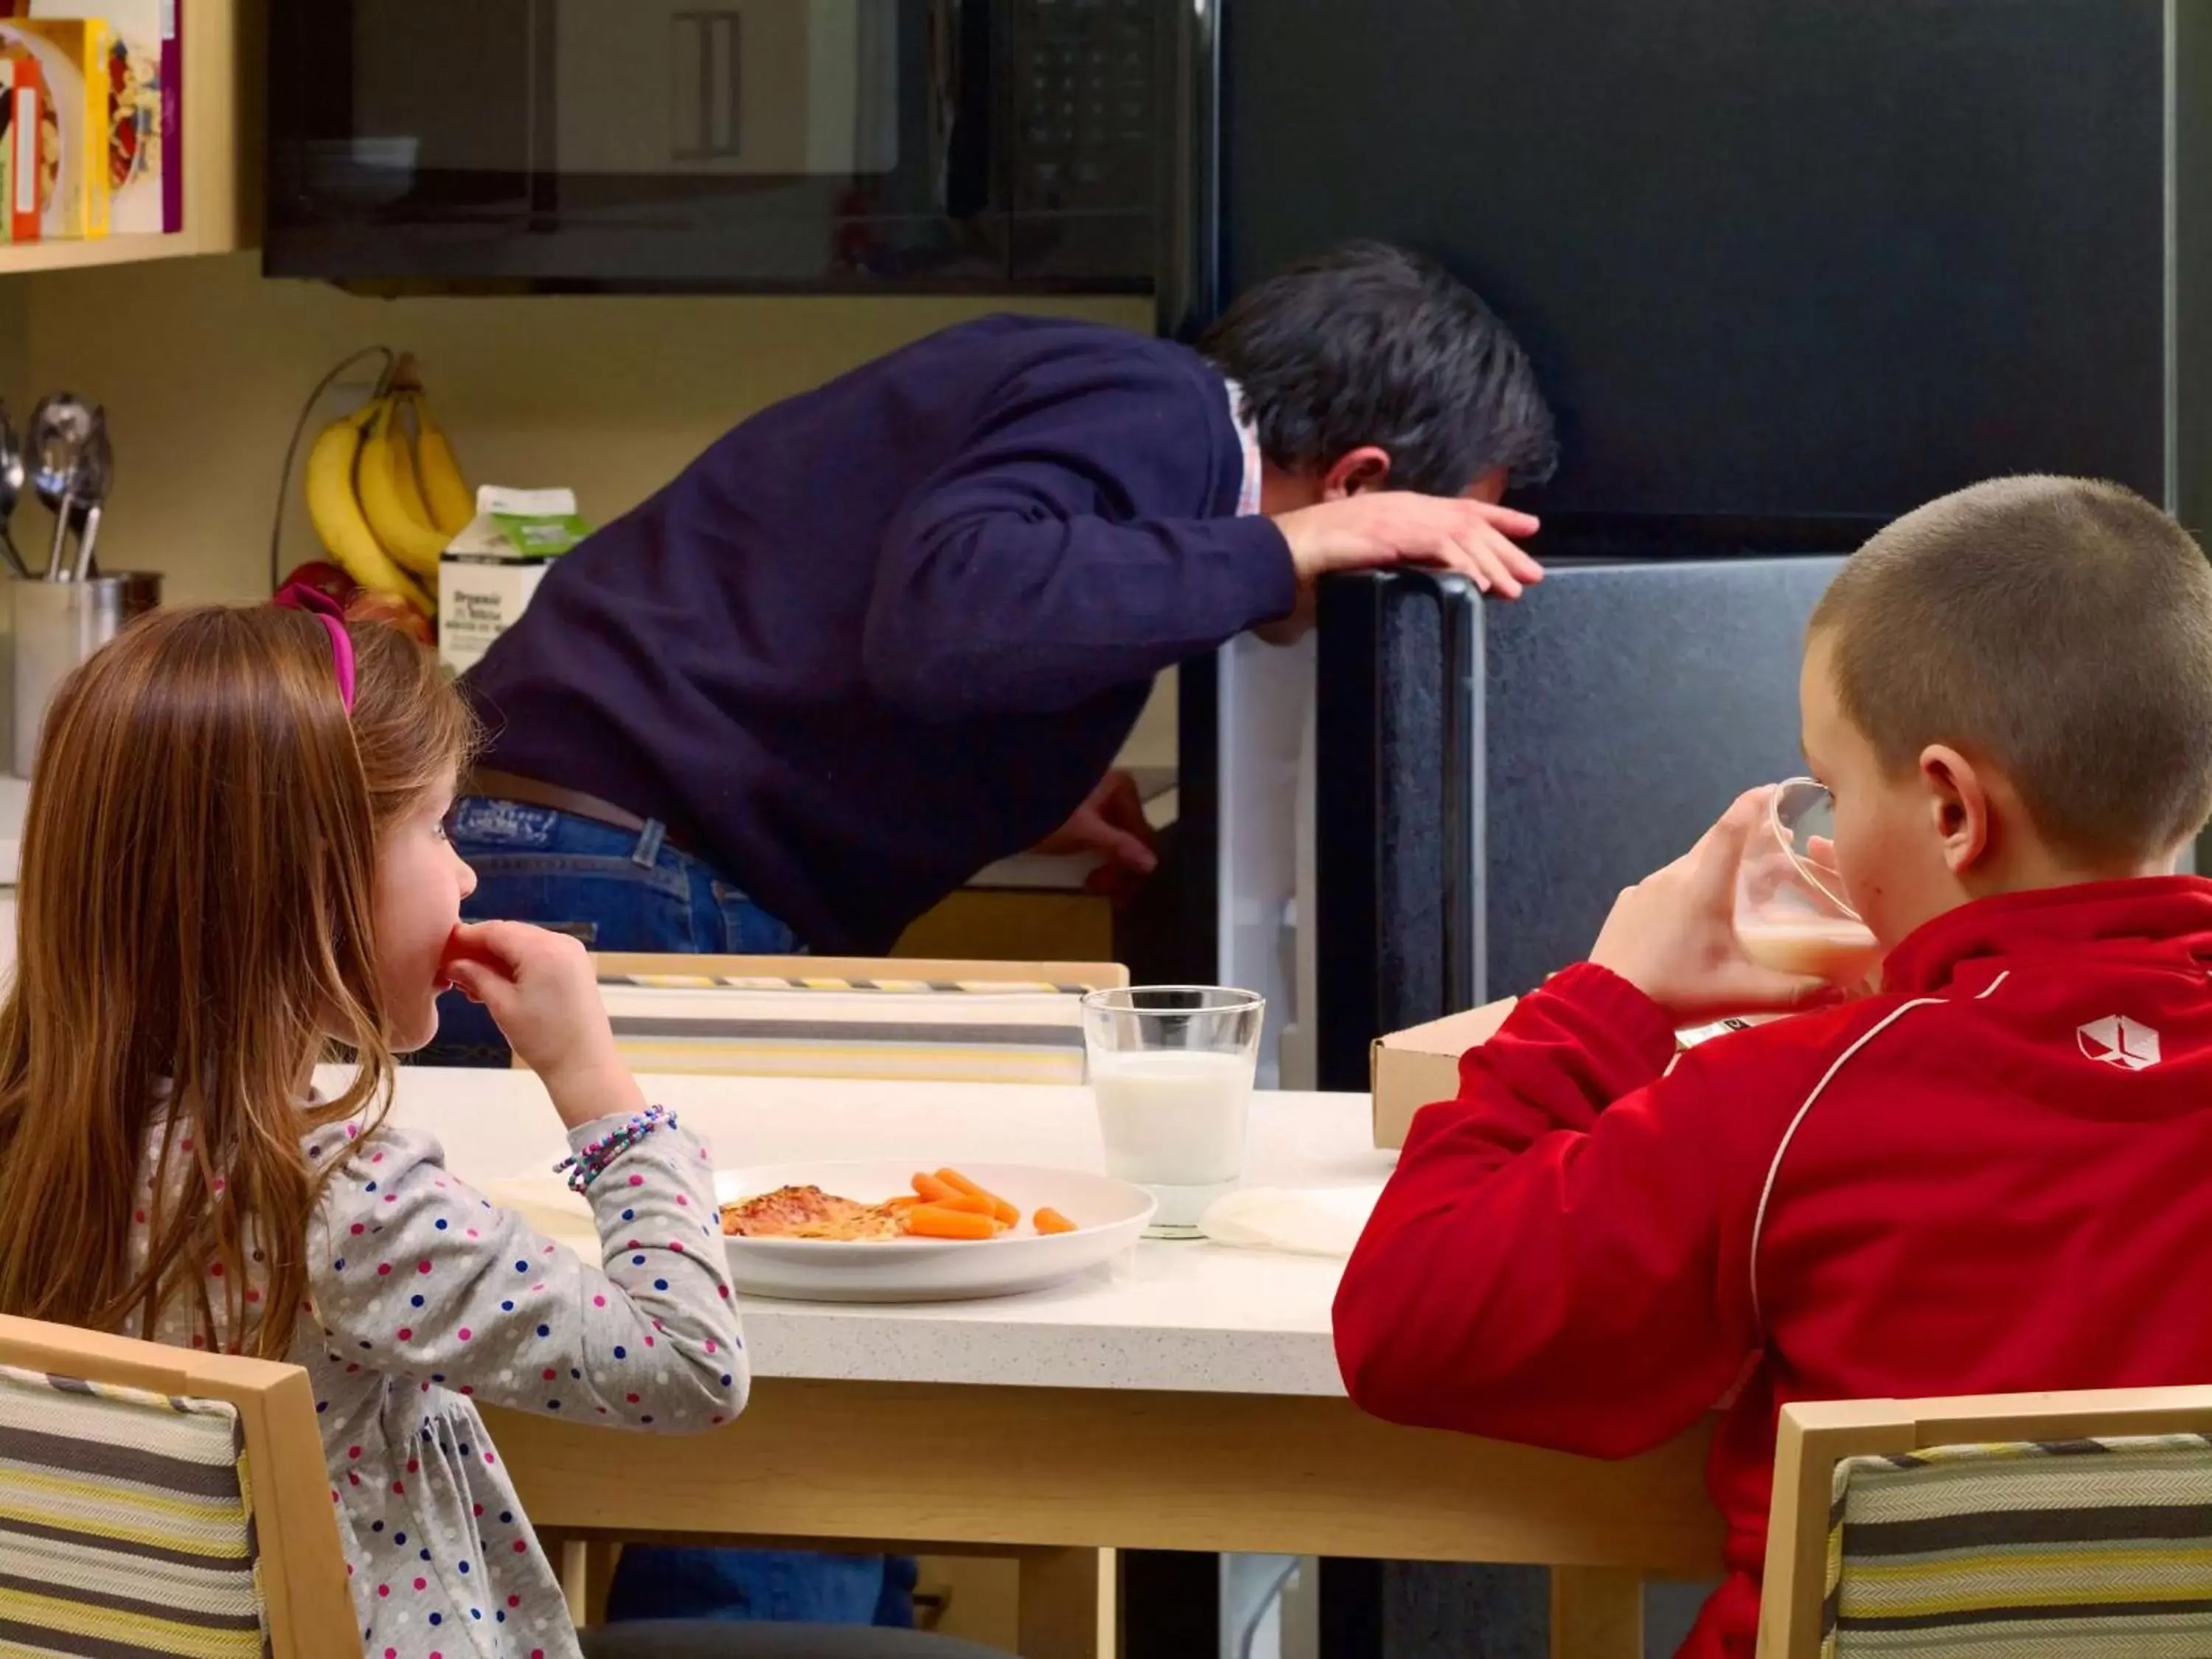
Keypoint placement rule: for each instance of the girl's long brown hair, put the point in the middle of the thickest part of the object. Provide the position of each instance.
(195, 929)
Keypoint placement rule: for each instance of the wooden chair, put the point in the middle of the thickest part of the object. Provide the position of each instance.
(160, 1500)
(2058, 1525)
(850, 1016)
(892, 970)
(935, 1021)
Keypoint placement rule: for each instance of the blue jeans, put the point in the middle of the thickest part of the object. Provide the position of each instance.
(615, 890)
(623, 890)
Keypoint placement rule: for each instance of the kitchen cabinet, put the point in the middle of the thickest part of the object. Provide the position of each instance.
(219, 127)
(1012, 924)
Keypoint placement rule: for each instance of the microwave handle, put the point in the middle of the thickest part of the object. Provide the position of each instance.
(969, 160)
(1188, 259)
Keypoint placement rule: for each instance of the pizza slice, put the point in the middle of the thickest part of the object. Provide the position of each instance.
(810, 1212)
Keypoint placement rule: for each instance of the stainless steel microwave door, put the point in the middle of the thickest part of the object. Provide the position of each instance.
(745, 88)
(974, 146)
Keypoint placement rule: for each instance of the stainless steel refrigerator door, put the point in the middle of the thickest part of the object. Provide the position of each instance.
(1491, 775)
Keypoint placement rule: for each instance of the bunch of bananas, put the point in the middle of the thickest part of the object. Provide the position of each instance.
(386, 494)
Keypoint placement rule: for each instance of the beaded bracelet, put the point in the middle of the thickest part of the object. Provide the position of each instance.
(588, 1164)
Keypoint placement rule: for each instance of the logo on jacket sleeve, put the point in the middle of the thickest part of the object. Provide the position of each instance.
(2119, 1041)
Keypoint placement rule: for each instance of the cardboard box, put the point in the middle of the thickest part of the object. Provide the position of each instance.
(144, 112)
(1408, 1069)
(15, 226)
(72, 55)
(30, 145)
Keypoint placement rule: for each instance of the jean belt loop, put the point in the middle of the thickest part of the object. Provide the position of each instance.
(648, 851)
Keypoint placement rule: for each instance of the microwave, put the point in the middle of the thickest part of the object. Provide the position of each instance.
(993, 146)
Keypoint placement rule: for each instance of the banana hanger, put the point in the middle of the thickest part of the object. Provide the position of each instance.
(392, 361)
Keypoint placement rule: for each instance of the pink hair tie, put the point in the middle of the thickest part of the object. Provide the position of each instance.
(298, 596)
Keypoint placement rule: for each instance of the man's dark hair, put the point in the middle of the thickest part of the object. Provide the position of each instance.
(1370, 344)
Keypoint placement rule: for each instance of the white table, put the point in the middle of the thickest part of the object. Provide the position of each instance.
(1172, 1316)
(1187, 1399)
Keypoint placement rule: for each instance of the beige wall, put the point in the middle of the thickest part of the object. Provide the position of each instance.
(15, 351)
(203, 366)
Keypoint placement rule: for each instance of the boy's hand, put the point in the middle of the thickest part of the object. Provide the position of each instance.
(1673, 935)
(540, 988)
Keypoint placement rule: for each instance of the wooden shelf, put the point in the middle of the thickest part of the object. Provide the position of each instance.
(218, 82)
(108, 250)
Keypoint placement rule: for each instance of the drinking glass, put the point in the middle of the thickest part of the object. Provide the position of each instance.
(1792, 911)
(1171, 1066)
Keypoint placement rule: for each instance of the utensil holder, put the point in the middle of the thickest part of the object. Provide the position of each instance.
(56, 626)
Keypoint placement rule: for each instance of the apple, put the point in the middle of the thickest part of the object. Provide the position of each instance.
(393, 610)
(324, 577)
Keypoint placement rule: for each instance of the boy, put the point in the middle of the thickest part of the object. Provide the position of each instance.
(1988, 1178)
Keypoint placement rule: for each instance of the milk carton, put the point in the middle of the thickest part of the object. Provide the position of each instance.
(490, 570)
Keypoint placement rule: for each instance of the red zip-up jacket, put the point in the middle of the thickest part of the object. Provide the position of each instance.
(1996, 1176)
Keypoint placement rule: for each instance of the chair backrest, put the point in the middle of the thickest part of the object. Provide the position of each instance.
(969, 1022)
(2074, 1526)
(154, 1499)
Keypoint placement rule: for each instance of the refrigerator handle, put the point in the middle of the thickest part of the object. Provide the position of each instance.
(1458, 618)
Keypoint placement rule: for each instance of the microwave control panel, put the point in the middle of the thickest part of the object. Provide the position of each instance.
(1085, 75)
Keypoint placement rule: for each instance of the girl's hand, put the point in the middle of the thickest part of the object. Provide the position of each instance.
(539, 987)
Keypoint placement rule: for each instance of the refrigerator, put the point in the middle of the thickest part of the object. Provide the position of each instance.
(1785, 271)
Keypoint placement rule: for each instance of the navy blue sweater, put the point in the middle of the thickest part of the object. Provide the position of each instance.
(890, 630)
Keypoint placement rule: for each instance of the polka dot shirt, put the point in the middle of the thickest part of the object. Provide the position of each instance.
(424, 1298)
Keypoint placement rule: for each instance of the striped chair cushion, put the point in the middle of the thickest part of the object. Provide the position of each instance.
(126, 1525)
(2069, 1550)
(911, 1030)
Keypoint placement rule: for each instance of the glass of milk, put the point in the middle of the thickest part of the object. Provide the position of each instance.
(1791, 912)
(1171, 1066)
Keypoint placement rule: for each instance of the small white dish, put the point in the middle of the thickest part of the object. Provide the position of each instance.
(1110, 1217)
(1310, 1221)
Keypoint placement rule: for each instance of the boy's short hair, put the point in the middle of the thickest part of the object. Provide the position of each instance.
(1372, 344)
(2059, 629)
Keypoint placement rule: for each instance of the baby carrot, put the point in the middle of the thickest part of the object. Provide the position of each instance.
(933, 1190)
(1006, 1212)
(1052, 1221)
(935, 1221)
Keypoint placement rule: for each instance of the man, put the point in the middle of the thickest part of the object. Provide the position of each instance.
(887, 632)
(890, 631)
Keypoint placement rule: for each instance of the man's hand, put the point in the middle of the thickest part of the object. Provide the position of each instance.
(1673, 935)
(1384, 527)
(1111, 825)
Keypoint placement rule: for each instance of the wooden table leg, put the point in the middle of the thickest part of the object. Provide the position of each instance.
(1597, 1613)
(1067, 1604)
(574, 1555)
(588, 1573)
(601, 1579)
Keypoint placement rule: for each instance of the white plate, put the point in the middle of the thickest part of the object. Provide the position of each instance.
(1110, 1217)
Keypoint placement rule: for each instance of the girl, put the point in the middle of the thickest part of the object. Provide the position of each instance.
(234, 865)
